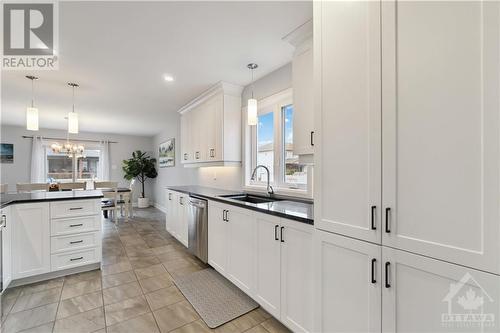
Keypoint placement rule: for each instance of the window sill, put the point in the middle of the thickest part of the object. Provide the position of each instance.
(289, 192)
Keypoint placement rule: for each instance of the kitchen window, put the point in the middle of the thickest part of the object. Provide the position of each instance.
(271, 145)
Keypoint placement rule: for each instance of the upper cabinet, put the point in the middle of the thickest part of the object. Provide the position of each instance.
(211, 128)
(303, 93)
(407, 148)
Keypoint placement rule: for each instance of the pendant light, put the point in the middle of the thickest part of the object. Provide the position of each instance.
(31, 111)
(252, 102)
(73, 116)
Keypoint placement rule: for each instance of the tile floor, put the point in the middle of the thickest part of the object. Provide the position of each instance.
(134, 291)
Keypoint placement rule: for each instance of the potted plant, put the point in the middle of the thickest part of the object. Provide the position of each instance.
(142, 167)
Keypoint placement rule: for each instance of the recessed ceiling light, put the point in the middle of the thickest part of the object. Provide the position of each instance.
(168, 78)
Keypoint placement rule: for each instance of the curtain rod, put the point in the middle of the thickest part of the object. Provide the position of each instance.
(64, 139)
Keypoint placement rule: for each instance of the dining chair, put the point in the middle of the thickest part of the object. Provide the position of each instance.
(131, 197)
(109, 202)
(72, 186)
(105, 185)
(28, 187)
(4, 188)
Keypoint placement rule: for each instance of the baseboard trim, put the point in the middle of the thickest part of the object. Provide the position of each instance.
(160, 207)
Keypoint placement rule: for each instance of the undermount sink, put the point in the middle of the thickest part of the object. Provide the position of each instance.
(250, 198)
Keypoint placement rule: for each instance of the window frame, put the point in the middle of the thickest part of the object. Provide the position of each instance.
(275, 104)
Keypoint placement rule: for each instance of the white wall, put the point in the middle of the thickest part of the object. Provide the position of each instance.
(19, 171)
(272, 83)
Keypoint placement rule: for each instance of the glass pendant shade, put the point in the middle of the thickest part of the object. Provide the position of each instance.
(32, 119)
(252, 112)
(73, 122)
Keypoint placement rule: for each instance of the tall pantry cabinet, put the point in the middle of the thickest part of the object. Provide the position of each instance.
(407, 159)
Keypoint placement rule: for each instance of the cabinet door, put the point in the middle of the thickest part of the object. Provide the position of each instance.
(217, 237)
(6, 235)
(441, 157)
(348, 118)
(303, 100)
(447, 297)
(296, 275)
(348, 284)
(30, 239)
(241, 248)
(182, 219)
(186, 152)
(169, 216)
(214, 124)
(268, 281)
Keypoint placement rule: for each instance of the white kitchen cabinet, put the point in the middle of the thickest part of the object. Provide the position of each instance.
(441, 147)
(268, 280)
(176, 220)
(211, 128)
(347, 285)
(296, 275)
(241, 248)
(30, 239)
(303, 89)
(425, 295)
(217, 237)
(6, 246)
(171, 215)
(347, 175)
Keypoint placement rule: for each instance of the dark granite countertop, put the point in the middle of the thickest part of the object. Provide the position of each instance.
(37, 196)
(290, 209)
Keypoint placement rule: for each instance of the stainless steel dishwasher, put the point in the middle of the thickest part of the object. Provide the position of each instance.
(198, 228)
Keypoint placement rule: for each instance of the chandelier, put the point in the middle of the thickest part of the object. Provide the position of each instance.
(70, 149)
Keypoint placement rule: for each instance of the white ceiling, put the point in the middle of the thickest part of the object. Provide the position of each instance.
(118, 52)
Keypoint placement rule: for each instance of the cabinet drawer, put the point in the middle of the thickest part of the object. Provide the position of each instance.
(75, 258)
(74, 242)
(74, 208)
(75, 225)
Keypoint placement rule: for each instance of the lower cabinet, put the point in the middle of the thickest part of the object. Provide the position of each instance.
(268, 257)
(177, 215)
(6, 246)
(363, 287)
(30, 239)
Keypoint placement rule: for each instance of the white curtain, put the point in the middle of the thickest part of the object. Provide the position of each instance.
(104, 161)
(38, 161)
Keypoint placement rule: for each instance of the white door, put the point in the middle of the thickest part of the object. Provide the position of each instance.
(30, 239)
(421, 294)
(268, 280)
(6, 235)
(441, 147)
(217, 237)
(296, 275)
(169, 215)
(303, 99)
(347, 180)
(347, 284)
(182, 219)
(241, 248)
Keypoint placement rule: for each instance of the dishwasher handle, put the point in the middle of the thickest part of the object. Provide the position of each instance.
(198, 203)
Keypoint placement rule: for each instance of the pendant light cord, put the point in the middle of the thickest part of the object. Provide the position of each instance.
(252, 82)
(32, 93)
(73, 99)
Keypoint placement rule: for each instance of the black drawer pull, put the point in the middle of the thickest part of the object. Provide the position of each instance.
(73, 259)
(76, 242)
(387, 215)
(374, 213)
(76, 208)
(281, 234)
(312, 138)
(76, 225)
(387, 266)
(276, 232)
(374, 261)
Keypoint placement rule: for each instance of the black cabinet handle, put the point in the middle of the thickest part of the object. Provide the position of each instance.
(276, 232)
(387, 267)
(76, 225)
(224, 215)
(76, 242)
(76, 208)
(312, 138)
(374, 261)
(374, 214)
(387, 215)
(281, 234)
(73, 259)
(227, 215)
(185, 156)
